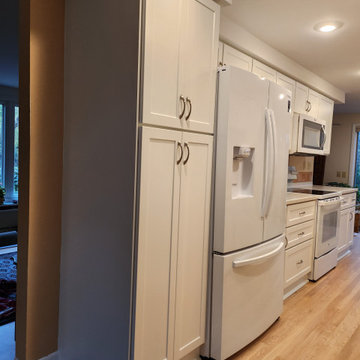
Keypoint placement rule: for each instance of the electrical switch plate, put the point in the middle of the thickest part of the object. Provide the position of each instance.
(338, 174)
(343, 174)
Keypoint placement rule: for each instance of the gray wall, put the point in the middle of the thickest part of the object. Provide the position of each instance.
(101, 63)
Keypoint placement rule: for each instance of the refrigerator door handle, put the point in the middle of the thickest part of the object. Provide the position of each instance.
(269, 162)
(258, 259)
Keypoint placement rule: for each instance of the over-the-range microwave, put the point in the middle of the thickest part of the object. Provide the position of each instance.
(308, 135)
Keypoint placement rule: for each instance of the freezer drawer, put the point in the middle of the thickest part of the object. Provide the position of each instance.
(247, 296)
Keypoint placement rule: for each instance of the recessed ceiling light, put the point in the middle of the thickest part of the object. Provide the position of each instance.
(328, 26)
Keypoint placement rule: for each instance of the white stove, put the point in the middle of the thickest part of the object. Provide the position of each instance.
(320, 194)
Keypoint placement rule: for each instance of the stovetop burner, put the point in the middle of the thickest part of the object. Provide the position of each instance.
(311, 191)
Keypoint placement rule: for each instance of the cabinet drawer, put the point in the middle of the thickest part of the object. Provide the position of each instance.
(348, 200)
(297, 262)
(298, 213)
(299, 233)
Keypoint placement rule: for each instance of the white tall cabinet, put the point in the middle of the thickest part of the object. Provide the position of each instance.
(180, 60)
(175, 132)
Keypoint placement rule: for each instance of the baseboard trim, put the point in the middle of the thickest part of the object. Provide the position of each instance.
(52, 356)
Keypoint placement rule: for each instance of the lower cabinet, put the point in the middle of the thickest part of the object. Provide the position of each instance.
(346, 230)
(173, 240)
(297, 262)
(299, 251)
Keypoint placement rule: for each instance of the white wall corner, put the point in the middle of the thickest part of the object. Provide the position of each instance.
(52, 356)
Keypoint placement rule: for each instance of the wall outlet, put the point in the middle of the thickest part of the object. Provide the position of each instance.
(338, 174)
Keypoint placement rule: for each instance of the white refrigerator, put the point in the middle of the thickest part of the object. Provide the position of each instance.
(252, 146)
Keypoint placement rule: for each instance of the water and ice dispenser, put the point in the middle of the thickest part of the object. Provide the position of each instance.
(242, 172)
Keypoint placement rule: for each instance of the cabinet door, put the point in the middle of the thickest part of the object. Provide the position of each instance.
(350, 232)
(326, 109)
(343, 230)
(288, 84)
(221, 53)
(263, 71)
(301, 97)
(314, 100)
(193, 243)
(236, 58)
(161, 60)
(158, 227)
(198, 63)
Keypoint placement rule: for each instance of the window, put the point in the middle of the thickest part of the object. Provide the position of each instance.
(9, 148)
(357, 160)
(16, 150)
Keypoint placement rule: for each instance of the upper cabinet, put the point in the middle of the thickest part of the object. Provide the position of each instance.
(301, 103)
(180, 61)
(263, 71)
(236, 58)
(326, 110)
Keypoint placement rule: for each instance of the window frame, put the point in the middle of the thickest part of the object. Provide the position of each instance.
(9, 99)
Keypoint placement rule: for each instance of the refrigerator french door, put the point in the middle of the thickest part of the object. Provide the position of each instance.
(252, 142)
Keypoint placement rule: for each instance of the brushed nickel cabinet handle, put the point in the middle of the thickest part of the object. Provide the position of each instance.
(181, 154)
(182, 100)
(310, 106)
(286, 242)
(301, 234)
(302, 212)
(300, 262)
(188, 101)
(188, 153)
(352, 216)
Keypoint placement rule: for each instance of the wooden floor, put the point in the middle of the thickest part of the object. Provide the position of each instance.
(321, 321)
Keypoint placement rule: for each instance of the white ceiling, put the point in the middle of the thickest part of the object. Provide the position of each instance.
(287, 25)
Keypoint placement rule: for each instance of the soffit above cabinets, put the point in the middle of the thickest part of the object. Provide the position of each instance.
(288, 26)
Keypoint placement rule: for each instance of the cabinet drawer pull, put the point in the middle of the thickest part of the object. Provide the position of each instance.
(188, 101)
(302, 212)
(310, 106)
(188, 153)
(182, 100)
(302, 233)
(352, 216)
(300, 262)
(181, 154)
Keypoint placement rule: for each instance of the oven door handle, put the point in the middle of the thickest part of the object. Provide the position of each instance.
(331, 204)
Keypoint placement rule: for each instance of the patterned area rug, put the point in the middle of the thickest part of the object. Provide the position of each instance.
(7, 287)
(8, 266)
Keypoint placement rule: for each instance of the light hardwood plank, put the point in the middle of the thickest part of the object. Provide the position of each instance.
(319, 322)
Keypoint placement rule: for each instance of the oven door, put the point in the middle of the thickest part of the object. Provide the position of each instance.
(327, 226)
(312, 136)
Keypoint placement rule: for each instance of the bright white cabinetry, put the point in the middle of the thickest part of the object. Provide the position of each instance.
(343, 230)
(286, 82)
(314, 100)
(193, 242)
(300, 234)
(220, 53)
(172, 243)
(346, 224)
(180, 60)
(289, 84)
(301, 105)
(236, 58)
(263, 71)
(326, 110)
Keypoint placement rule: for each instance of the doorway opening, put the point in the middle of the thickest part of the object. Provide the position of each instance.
(9, 166)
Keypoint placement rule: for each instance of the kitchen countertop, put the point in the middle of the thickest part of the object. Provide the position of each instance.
(294, 198)
(343, 190)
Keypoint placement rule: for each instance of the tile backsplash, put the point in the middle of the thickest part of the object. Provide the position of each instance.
(301, 169)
